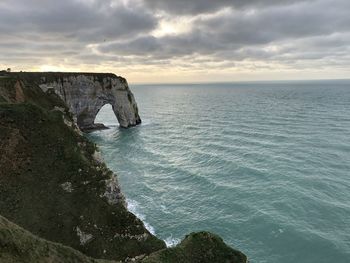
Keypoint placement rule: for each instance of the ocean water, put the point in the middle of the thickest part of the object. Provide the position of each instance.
(264, 165)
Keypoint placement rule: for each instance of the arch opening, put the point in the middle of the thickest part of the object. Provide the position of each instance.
(106, 116)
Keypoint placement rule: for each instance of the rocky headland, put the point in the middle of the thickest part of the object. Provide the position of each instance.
(58, 200)
(86, 93)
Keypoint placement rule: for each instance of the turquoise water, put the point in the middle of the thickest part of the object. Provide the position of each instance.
(264, 165)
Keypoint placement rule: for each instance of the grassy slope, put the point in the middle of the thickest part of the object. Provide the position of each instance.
(20, 246)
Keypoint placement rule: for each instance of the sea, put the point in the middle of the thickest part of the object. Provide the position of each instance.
(265, 165)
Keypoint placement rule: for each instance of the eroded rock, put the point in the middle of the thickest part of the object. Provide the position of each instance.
(86, 93)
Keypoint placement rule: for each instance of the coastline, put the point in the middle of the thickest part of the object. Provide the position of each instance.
(84, 200)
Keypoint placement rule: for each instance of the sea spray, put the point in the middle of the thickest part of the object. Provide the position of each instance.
(134, 207)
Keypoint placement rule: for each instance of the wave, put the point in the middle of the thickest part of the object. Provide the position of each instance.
(171, 241)
(134, 207)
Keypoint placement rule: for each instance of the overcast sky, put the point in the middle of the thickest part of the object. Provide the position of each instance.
(179, 41)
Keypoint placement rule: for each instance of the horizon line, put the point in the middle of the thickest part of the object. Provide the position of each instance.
(237, 81)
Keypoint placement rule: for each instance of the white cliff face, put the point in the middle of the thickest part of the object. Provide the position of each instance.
(86, 93)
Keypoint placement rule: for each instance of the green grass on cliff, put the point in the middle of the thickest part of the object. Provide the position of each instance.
(20, 246)
(16, 90)
(202, 247)
(36, 77)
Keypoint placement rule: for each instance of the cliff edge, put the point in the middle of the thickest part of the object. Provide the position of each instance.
(86, 93)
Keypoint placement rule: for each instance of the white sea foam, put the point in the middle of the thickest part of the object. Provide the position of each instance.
(171, 242)
(134, 207)
(146, 122)
(165, 209)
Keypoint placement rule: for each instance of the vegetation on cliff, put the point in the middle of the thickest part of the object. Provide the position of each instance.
(202, 247)
(20, 246)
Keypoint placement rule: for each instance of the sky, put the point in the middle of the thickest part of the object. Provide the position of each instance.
(168, 41)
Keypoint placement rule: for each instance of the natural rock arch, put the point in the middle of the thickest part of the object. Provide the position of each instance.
(106, 115)
(119, 97)
(86, 93)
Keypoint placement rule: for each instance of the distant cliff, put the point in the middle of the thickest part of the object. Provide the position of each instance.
(86, 93)
(54, 184)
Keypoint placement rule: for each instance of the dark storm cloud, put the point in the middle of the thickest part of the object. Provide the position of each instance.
(88, 21)
(207, 6)
(53, 30)
(229, 32)
(96, 31)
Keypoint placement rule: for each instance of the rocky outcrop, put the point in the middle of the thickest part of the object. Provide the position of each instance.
(86, 93)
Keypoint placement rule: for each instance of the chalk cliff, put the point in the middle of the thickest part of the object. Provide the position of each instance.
(86, 93)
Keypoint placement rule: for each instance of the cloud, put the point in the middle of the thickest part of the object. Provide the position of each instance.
(207, 6)
(85, 21)
(234, 33)
(191, 35)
